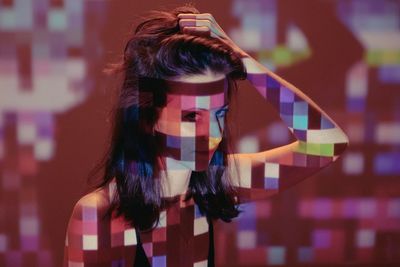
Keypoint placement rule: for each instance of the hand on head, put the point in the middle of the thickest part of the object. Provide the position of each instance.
(204, 24)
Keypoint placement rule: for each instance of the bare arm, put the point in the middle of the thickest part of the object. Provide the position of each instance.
(319, 139)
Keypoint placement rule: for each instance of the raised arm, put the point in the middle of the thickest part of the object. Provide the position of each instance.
(94, 239)
(319, 140)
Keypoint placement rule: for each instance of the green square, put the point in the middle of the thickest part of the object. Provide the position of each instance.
(327, 149)
(313, 149)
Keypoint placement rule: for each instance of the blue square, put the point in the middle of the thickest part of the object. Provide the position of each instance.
(271, 183)
(276, 255)
(305, 254)
(197, 213)
(326, 124)
(300, 108)
(272, 83)
(160, 261)
(286, 108)
(173, 141)
(288, 119)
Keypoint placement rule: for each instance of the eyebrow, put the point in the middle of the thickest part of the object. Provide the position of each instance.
(204, 109)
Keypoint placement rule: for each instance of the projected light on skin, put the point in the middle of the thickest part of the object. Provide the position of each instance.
(190, 126)
(192, 121)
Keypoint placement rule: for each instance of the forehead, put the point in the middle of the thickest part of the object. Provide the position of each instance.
(206, 95)
(188, 95)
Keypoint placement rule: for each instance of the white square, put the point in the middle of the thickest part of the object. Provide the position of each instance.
(163, 220)
(248, 144)
(200, 226)
(3, 243)
(26, 132)
(244, 171)
(130, 237)
(326, 136)
(353, 163)
(89, 242)
(43, 149)
(365, 238)
(246, 239)
(75, 264)
(188, 129)
(201, 264)
(271, 170)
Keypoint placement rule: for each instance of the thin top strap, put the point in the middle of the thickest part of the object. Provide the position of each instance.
(141, 259)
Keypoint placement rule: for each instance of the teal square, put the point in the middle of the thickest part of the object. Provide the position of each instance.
(57, 20)
(300, 122)
(276, 255)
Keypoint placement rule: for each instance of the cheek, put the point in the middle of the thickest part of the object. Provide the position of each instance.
(168, 127)
(169, 122)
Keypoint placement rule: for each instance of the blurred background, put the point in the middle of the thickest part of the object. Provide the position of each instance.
(344, 54)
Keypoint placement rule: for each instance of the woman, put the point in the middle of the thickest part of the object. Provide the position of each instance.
(168, 172)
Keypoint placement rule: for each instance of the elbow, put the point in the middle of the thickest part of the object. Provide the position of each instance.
(341, 147)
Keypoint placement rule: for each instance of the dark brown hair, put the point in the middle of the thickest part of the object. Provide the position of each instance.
(157, 49)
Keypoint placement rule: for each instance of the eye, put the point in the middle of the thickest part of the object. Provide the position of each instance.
(190, 116)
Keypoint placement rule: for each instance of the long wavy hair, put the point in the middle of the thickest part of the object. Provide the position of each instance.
(157, 49)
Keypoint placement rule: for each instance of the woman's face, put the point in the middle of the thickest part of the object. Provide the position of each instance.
(192, 122)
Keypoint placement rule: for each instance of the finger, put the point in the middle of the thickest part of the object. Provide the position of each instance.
(194, 23)
(198, 31)
(202, 23)
(202, 16)
(186, 16)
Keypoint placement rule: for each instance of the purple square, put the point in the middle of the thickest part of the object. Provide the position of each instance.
(286, 96)
(321, 238)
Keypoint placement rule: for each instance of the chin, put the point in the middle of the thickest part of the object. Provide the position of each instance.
(197, 166)
(200, 169)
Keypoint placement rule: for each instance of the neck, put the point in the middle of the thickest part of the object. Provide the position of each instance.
(175, 178)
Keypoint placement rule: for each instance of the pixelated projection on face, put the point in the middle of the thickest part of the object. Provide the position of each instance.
(190, 125)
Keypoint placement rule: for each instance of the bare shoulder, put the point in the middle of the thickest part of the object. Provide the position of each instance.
(93, 205)
(99, 200)
(95, 236)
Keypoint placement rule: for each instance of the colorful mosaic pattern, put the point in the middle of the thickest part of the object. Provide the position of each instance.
(320, 143)
(180, 239)
(355, 222)
(43, 73)
(190, 126)
(360, 206)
